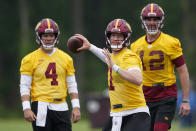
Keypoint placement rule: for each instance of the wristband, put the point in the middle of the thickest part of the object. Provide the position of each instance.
(185, 101)
(26, 105)
(75, 103)
(115, 68)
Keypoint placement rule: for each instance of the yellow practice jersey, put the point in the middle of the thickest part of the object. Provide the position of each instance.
(158, 65)
(123, 94)
(48, 74)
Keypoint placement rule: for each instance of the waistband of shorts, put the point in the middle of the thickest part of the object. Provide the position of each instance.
(52, 100)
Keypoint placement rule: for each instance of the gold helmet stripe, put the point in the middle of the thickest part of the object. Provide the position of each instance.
(37, 26)
(151, 8)
(143, 10)
(128, 26)
(161, 10)
(56, 24)
(116, 25)
(48, 22)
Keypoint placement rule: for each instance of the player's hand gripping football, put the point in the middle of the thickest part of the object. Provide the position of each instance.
(75, 115)
(108, 58)
(86, 44)
(29, 115)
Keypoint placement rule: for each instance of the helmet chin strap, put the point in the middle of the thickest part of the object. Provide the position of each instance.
(48, 47)
(118, 46)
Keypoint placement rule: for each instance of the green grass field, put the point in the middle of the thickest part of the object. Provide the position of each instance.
(176, 127)
(84, 125)
(22, 125)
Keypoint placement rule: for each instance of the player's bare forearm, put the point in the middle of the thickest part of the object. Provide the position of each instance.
(133, 76)
(25, 98)
(73, 96)
(184, 80)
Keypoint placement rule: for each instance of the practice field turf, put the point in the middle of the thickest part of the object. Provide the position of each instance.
(83, 125)
(22, 125)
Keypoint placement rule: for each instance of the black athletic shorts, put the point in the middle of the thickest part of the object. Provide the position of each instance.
(162, 111)
(134, 122)
(55, 120)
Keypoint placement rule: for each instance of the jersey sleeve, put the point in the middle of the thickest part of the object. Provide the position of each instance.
(70, 67)
(131, 60)
(26, 67)
(132, 47)
(175, 50)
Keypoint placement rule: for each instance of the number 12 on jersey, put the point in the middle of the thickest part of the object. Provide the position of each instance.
(155, 64)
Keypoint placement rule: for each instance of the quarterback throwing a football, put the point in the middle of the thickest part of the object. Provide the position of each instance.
(128, 107)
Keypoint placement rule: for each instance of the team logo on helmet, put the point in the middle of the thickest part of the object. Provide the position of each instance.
(118, 26)
(152, 11)
(47, 26)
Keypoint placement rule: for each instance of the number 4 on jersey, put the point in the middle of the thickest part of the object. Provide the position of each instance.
(52, 75)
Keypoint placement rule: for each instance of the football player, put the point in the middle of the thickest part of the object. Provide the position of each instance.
(46, 75)
(128, 107)
(160, 54)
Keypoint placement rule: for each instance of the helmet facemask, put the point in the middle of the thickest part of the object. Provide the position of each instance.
(149, 30)
(45, 46)
(117, 47)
